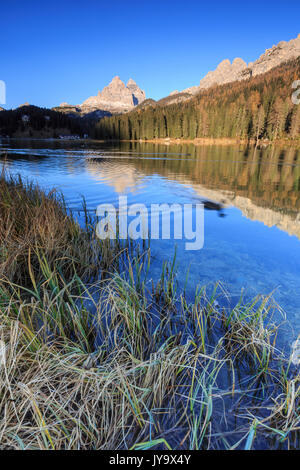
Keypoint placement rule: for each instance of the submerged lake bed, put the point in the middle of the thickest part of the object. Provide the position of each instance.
(252, 196)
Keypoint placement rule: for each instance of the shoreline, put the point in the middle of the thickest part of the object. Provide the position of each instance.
(204, 141)
(215, 141)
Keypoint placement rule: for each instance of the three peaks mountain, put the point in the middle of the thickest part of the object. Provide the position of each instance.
(114, 98)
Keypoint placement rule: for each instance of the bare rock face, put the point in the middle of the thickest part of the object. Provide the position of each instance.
(116, 97)
(138, 95)
(239, 70)
(225, 72)
(275, 56)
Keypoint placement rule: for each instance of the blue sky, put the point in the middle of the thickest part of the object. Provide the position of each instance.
(67, 50)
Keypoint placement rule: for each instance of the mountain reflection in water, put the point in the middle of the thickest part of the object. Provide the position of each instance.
(252, 197)
(263, 183)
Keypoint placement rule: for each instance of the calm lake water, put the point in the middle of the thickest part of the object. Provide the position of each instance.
(252, 220)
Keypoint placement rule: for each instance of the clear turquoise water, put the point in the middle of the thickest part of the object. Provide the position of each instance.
(252, 231)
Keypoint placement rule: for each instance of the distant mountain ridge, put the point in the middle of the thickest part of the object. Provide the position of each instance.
(260, 108)
(118, 98)
(227, 72)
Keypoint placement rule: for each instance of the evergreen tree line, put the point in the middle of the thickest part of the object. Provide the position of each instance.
(37, 119)
(257, 108)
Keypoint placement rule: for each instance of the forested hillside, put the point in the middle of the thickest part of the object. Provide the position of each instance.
(260, 107)
(32, 120)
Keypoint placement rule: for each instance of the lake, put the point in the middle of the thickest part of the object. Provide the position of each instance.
(251, 196)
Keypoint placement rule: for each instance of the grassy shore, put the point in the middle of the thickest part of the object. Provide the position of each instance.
(95, 355)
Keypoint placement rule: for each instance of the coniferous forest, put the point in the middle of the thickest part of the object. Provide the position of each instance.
(32, 120)
(258, 108)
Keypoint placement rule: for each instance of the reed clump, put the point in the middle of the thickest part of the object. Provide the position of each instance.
(121, 362)
(35, 224)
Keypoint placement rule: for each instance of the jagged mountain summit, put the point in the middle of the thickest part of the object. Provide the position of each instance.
(114, 98)
(138, 95)
(227, 72)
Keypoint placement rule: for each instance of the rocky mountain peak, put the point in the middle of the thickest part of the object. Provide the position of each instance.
(285, 50)
(224, 73)
(115, 84)
(238, 62)
(131, 82)
(116, 97)
(137, 94)
(113, 91)
(227, 72)
(224, 65)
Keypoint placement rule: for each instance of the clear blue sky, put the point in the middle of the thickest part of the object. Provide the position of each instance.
(67, 50)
